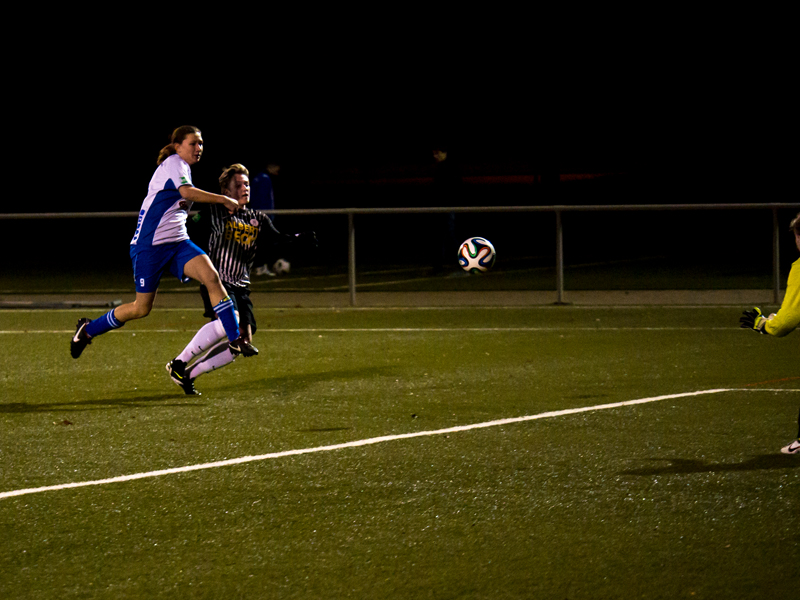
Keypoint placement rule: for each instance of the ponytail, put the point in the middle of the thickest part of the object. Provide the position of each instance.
(165, 152)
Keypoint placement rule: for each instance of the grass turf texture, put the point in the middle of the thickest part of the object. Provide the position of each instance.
(687, 497)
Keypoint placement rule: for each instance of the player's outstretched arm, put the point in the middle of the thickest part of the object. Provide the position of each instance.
(753, 319)
(193, 194)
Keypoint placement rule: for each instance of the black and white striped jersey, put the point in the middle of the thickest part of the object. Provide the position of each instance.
(234, 239)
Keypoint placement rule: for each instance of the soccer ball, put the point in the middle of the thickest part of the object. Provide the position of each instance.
(281, 266)
(476, 255)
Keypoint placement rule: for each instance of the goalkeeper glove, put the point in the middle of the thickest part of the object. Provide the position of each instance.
(753, 319)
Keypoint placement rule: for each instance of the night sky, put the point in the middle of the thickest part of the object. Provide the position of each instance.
(104, 148)
(95, 135)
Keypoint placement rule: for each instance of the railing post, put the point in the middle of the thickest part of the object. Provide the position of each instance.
(776, 262)
(351, 258)
(559, 259)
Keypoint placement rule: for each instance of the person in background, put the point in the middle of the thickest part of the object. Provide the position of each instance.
(161, 244)
(262, 197)
(446, 189)
(782, 323)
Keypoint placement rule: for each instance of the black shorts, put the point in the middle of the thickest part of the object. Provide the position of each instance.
(241, 303)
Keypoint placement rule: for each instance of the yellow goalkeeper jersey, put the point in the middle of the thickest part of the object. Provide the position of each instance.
(787, 318)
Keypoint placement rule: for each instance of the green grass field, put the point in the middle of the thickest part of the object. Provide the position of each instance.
(686, 496)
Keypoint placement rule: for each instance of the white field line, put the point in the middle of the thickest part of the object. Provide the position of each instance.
(461, 308)
(365, 442)
(391, 330)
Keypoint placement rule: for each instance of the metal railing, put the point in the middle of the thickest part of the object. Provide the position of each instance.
(558, 210)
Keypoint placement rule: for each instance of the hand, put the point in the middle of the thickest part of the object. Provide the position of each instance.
(229, 203)
(306, 238)
(753, 319)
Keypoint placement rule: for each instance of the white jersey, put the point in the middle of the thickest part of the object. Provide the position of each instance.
(162, 218)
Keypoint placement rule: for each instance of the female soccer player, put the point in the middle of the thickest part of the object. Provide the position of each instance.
(232, 247)
(161, 243)
(786, 320)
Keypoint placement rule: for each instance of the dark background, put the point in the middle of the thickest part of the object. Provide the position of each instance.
(338, 108)
(329, 146)
(96, 149)
(355, 126)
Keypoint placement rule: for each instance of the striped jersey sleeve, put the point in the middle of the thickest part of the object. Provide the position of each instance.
(234, 240)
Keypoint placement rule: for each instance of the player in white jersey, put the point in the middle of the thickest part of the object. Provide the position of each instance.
(233, 244)
(161, 243)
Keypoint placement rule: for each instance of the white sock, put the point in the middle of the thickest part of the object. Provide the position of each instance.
(216, 358)
(203, 340)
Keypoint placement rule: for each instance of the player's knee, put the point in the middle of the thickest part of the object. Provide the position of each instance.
(141, 309)
(210, 277)
(215, 287)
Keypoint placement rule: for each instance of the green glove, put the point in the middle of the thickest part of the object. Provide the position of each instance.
(753, 319)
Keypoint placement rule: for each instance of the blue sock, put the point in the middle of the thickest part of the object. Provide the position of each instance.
(227, 317)
(104, 324)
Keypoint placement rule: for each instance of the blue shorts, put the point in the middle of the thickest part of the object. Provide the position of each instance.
(150, 262)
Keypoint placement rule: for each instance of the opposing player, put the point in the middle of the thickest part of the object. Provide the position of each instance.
(161, 244)
(233, 243)
(786, 320)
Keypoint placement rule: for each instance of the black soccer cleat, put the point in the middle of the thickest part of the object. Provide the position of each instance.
(243, 347)
(81, 339)
(188, 388)
(177, 372)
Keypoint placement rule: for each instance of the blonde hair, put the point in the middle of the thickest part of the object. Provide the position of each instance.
(177, 137)
(228, 173)
(795, 224)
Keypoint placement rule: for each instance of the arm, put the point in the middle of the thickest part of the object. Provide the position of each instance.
(267, 226)
(787, 318)
(285, 241)
(193, 194)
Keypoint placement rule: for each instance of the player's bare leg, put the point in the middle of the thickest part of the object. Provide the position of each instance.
(138, 309)
(200, 269)
(114, 319)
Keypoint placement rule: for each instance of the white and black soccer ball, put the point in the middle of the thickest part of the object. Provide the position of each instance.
(476, 255)
(281, 266)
